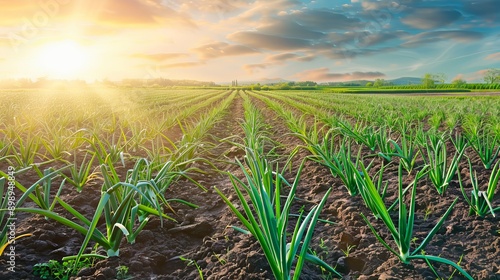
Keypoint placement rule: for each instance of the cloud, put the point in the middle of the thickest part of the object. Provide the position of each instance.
(365, 39)
(210, 6)
(277, 59)
(261, 35)
(482, 72)
(291, 29)
(5, 41)
(181, 65)
(221, 49)
(265, 9)
(349, 52)
(283, 57)
(372, 39)
(339, 38)
(436, 36)
(98, 30)
(430, 18)
(44, 14)
(485, 9)
(159, 56)
(327, 20)
(155, 70)
(324, 74)
(271, 42)
(14, 12)
(140, 12)
(477, 76)
(252, 68)
(375, 5)
(493, 56)
(458, 77)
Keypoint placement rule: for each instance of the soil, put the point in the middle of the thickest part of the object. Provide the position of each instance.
(204, 238)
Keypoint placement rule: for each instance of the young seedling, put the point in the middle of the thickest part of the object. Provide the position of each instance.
(60, 270)
(348, 250)
(122, 273)
(428, 211)
(190, 262)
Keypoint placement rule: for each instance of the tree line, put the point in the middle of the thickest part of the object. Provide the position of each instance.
(491, 79)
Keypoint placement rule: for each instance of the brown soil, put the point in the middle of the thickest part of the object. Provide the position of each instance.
(204, 235)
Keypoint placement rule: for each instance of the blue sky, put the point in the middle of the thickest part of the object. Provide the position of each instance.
(222, 40)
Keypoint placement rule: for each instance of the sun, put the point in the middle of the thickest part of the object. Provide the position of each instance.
(62, 59)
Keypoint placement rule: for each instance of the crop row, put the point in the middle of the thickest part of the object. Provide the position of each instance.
(90, 137)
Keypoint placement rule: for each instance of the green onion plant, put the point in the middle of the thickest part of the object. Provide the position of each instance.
(486, 147)
(442, 171)
(267, 219)
(480, 202)
(402, 231)
(338, 161)
(81, 174)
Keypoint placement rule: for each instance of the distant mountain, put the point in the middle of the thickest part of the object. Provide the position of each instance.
(406, 81)
(273, 81)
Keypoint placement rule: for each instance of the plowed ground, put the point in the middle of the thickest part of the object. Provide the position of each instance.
(204, 235)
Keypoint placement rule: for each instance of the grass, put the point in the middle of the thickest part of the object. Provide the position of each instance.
(60, 270)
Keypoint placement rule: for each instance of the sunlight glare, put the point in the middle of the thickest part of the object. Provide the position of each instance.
(63, 59)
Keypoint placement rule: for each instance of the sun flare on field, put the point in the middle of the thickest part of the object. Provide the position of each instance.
(63, 59)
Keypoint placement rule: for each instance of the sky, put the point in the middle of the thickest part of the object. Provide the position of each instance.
(224, 40)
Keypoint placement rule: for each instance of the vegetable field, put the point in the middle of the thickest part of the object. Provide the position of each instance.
(136, 183)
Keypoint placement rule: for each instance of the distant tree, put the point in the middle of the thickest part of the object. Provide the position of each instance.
(458, 83)
(369, 84)
(492, 76)
(256, 87)
(428, 80)
(439, 78)
(285, 86)
(379, 83)
(306, 83)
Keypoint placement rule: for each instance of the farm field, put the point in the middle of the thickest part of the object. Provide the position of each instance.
(147, 179)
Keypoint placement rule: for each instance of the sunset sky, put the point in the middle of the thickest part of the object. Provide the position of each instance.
(223, 40)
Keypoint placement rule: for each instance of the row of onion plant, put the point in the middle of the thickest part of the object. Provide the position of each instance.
(261, 210)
